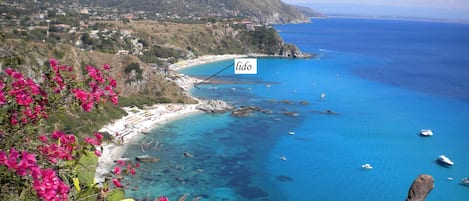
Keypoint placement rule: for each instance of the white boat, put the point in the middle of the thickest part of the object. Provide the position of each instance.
(323, 95)
(445, 160)
(465, 181)
(291, 133)
(367, 166)
(283, 158)
(426, 132)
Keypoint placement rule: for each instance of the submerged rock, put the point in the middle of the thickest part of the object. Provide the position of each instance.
(291, 114)
(284, 178)
(287, 102)
(147, 159)
(244, 111)
(421, 187)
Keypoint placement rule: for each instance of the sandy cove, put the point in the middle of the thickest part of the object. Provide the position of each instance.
(140, 121)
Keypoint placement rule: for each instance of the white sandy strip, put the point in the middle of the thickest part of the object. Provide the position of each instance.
(204, 60)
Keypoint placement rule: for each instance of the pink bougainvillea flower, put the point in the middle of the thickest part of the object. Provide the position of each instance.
(117, 170)
(112, 82)
(53, 64)
(106, 66)
(117, 183)
(162, 198)
(81, 94)
(3, 99)
(3, 157)
(97, 153)
(98, 136)
(120, 162)
(91, 141)
(43, 138)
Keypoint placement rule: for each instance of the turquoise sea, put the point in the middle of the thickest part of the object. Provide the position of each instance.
(383, 80)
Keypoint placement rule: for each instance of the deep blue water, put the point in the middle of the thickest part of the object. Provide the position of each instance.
(384, 80)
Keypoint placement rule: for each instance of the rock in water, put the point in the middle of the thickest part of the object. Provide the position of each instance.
(188, 155)
(421, 187)
(147, 159)
(214, 106)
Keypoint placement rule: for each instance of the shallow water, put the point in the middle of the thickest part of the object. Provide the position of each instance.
(365, 69)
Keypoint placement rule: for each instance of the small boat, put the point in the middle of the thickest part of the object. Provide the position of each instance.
(445, 160)
(426, 132)
(291, 133)
(323, 95)
(367, 166)
(283, 158)
(465, 181)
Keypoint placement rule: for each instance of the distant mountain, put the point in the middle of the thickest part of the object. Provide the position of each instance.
(308, 12)
(265, 11)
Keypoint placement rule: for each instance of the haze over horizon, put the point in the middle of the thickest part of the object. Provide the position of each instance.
(431, 9)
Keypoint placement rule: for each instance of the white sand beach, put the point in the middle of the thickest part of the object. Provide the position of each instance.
(140, 121)
(204, 60)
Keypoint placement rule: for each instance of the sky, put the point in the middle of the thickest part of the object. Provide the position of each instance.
(434, 9)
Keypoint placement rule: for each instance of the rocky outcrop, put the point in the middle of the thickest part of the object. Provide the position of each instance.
(421, 187)
(244, 111)
(291, 51)
(214, 106)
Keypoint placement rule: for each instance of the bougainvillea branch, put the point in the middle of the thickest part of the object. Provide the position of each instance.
(25, 102)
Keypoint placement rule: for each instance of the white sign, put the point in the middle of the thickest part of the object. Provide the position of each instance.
(245, 66)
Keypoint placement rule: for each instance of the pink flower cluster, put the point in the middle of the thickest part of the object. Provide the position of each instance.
(118, 171)
(3, 100)
(95, 142)
(47, 184)
(101, 88)
(27, 94)
(24, 101)
(60, 72)
(66, 145)
(62, 150)
(162, 198)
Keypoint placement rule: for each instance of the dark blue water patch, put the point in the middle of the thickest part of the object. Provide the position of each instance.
(427, 57)
(284, 178)
(252, 193)
(446, 81)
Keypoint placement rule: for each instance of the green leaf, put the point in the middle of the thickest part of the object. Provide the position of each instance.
(116, 195)
(88, 194)
(86, 169)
